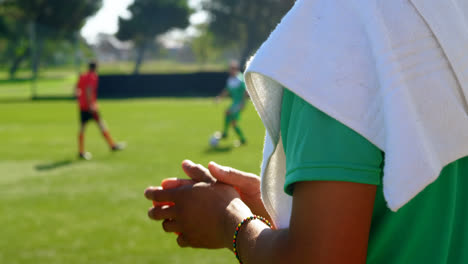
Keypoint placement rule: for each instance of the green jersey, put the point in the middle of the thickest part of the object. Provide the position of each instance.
(432, 228)
(236, 88)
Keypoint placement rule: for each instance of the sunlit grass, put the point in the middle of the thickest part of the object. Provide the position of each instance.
(56, 209)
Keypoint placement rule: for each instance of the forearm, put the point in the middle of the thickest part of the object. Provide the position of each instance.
(257, 243)
(333, 232)
(223, 94)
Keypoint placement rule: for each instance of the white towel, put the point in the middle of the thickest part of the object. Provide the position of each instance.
(378, 67)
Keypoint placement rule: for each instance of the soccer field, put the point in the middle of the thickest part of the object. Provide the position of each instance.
(56, 209)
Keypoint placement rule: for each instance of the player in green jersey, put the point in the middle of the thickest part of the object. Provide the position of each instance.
(235, 88)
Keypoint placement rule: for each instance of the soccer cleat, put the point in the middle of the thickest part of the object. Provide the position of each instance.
(238, 143)
(119, 146)
(85, 156)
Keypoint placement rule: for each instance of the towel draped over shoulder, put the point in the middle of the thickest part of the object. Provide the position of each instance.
(394, 71)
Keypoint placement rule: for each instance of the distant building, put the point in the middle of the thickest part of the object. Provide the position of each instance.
(109, 49)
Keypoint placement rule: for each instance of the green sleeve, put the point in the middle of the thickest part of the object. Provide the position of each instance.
(319, 148)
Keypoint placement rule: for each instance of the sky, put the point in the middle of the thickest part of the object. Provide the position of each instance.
(106, 19)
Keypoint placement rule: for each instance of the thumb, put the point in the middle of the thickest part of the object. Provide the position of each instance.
(233, 177)
(197, 172)
(172, 183)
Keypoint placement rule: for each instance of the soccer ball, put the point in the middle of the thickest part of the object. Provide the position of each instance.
(214, 139)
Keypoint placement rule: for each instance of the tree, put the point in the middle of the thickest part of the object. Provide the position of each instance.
(4, 29)
(52, 19)
(204, 46)
(63, 16)
(14, 34)
(150, 18)
(246, 23)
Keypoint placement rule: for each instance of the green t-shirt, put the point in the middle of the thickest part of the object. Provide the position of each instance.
(236, 88)
(431, 228)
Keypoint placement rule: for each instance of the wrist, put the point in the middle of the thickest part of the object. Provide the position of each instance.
(247, 233)
(236, 212)
(258, 208)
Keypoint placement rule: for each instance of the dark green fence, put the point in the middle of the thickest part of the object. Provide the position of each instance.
(202, 84)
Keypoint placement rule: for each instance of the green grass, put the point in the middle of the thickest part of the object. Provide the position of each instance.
(56, 209)
(50, 83)
(62, 86)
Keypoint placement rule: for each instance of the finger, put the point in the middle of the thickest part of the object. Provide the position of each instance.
(162, 212)
(171, 226)
(232, 176)
(159, 195)
(182, 241)
(155, 204)
(172, 183)
(197, 172)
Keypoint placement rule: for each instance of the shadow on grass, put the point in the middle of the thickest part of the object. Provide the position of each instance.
(54, 165)
(51, 77)
(53, 98)
(15, 81)
(218, 149)
(36, 99)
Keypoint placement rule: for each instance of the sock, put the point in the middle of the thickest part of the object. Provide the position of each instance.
(227, 121)
(239, 133)
(81, 143)
(108, 138)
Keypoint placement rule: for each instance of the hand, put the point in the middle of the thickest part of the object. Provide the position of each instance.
(196, 172)
(246, 184)
(205, 214)
(93, 108)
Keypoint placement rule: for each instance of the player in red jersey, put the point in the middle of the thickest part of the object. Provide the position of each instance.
(87, 99)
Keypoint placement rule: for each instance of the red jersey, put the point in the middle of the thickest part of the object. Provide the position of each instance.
(89, 79)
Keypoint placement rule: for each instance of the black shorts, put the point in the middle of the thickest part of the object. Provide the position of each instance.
(88, 115)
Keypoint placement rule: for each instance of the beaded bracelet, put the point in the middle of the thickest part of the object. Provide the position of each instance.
(246, 220)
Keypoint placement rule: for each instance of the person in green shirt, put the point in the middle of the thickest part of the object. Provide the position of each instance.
(235, 89)
(339, 166)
